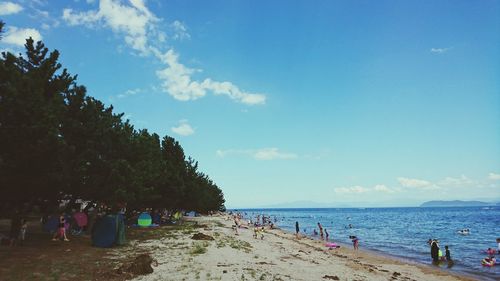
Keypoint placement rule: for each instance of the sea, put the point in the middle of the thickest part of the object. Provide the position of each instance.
(403, 232)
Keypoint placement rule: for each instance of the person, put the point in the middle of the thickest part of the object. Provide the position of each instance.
(435, 250)
(355, 242)
(490, 252)
(24, 227)
(315, 233)
(447, 253)
(327, 235)
(489, 261)
(15, 228)
(236, 225)
(61, 229)
(498, 241)
(320, 230)
(297, 229)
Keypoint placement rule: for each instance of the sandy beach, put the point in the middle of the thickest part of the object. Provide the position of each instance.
(278, 256)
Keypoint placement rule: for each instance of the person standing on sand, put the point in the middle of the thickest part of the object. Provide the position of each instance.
(297, 229)
(236, 224)
(326, 234)
(320, 230)
(355, 242)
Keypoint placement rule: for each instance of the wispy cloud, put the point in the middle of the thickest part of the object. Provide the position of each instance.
(178, 83)
(494, 176)
(383, 188)
(129, 93)
(440, 50)
(380, 188)
(351, 189)
(258, 154)
(9, 8)
(135, 22)
(456, 182)
(139, 27)
(17, 36)
(180, 31)
(417, 183)
(183, 129)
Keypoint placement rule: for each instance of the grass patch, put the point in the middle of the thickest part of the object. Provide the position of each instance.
(199, 248)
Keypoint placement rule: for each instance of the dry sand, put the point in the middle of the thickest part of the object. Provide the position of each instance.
(279, 256)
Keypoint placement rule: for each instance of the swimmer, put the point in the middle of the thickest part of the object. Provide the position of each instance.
(490, 252)
(489, 261)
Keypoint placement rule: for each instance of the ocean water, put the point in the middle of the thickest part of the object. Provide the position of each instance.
(403, 232)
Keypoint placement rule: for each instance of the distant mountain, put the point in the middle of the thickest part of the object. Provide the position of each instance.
(455, 203)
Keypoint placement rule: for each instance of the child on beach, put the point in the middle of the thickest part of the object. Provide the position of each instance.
(297, 229)
(327, 235)
(355, 242)
(61, 230)
(447, 253)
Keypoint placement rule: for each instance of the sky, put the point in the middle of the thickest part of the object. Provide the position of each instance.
(343, 103)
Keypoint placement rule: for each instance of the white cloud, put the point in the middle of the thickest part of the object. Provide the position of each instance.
(135, 22)
(456, 182)
(179, 84)
(258, 154)
(9, 8)
(184, 129)
(351, 189)
(272, 153)
(129, 93)
(439, 50)
(494, 176)
(180, 31)
(382, 188)
(139, 28)
(407, 182)
(17, 36)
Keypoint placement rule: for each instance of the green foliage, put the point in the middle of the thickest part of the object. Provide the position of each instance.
(58, 143)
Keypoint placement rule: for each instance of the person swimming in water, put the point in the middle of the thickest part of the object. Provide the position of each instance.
(489, 261)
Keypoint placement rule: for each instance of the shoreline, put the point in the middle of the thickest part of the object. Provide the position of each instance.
(279, 256)
(397, 259)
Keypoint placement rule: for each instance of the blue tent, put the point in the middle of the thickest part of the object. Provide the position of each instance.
(108, 231)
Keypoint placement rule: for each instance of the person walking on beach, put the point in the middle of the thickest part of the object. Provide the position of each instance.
(326, 234)
(320, 230)
(297, 229)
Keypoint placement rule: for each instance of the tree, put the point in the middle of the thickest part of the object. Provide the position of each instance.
(58, 143)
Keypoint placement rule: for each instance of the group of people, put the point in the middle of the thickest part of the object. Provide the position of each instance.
(324, 235)
(259, 225)
(490, 260)
(437, 254)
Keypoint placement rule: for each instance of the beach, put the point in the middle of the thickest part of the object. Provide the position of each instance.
(177, 256)
(278, 256)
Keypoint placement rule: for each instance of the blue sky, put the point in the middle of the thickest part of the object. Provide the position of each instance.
(365, 103)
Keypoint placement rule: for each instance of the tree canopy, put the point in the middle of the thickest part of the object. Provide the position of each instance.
(56, 142)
